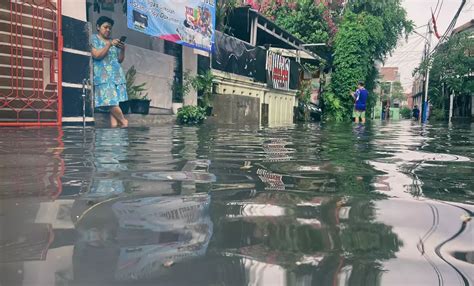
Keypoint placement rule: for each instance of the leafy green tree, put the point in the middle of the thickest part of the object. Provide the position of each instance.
(452, 67)
(358, 33)
(302, 18)
(368, 32)
(354, 51)
(397, 91)
(223, 8)
(394, 22)
(392, 90)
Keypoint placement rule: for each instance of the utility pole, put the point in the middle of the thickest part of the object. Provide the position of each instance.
(451, 101)
(424, 116)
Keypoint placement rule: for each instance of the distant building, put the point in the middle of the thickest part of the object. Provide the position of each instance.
(417, 90)
(465, 28)
(409, 100)
(389, 74)
(386, 108)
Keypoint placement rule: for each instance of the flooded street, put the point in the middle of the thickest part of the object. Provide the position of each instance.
(381, 204)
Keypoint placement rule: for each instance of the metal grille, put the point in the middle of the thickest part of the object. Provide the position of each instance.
(30, 62)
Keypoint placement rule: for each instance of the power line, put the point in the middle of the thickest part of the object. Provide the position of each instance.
(450, 27)
(408, 51)
(419, 27)
(437, 3)
(441, 6)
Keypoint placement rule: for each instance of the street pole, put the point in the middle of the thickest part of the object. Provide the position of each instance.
(424, 116)
(451, 103)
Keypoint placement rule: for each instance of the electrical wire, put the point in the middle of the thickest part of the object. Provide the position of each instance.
(437, 3)
(441, 6)
(407, 51)
(450, 28)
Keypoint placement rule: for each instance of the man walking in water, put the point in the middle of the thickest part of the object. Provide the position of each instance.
(360, 97)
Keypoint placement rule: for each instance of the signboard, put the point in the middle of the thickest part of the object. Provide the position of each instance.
(278, 71)
(315, 86)
(187, 22)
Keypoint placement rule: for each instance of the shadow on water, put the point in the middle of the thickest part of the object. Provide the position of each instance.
(375, 204)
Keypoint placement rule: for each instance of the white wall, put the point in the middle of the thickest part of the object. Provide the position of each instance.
(156, 70)
(74, 8)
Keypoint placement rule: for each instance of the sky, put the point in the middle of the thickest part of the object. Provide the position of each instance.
(408, 54)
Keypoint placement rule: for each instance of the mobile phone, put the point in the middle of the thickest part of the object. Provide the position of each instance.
(123, 38)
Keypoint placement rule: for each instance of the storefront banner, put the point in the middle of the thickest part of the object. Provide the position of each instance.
(187, 22)
(278, 71)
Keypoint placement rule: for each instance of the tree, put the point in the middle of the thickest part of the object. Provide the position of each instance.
(368, 32)
(452, 68)
(357, 34)
(354, 51)
(305, 19)
(223, 8)
(397, 91)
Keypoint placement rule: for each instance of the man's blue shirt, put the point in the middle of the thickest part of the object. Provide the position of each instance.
(361, 99)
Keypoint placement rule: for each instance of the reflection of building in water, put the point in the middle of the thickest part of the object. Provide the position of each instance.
(37, 248)
(294, 239)
(31, 168)
(136, 236)
(272, 181)
(276, 151)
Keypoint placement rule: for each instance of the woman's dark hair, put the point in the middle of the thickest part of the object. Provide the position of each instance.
(104, 19)
(361, 83)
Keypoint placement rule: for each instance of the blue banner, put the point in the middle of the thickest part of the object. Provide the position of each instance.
(187, 22)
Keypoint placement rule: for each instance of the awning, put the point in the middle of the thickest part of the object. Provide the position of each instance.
(292, 53)
(252, 27)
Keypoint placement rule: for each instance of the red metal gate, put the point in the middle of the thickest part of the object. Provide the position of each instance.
(30, 62)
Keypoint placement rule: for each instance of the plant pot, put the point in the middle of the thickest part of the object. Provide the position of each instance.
(125, 106)
(175, 106)
(139, 106)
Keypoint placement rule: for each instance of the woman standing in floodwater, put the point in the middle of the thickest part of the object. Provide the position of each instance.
(109, 78)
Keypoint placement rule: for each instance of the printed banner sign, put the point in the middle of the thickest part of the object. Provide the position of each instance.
(278, 71)
(187, 22)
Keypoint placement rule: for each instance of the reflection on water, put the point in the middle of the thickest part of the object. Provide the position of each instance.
(137, 236)
(381, 204)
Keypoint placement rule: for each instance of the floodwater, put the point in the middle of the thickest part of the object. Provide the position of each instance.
(380, 204)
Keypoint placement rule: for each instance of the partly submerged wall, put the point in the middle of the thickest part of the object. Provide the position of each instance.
(239, 99)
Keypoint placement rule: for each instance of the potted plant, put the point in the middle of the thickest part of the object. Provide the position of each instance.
(139, 102)
(203, 84)
(191, 115)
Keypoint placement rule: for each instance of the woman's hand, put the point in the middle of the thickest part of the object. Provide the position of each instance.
(120, 45)
(117, 43)
(101, 53)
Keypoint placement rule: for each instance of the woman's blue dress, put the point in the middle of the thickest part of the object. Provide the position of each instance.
(109, 78)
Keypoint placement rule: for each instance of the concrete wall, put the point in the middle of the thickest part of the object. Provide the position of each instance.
(280, 103)
(156, 70)
(281, 106)
(190, 65)
(74, 8)
(236, 109)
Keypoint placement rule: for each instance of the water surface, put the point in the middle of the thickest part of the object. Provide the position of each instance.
(380, 204)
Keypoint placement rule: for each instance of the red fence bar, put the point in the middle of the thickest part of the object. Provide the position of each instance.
(30, 63)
